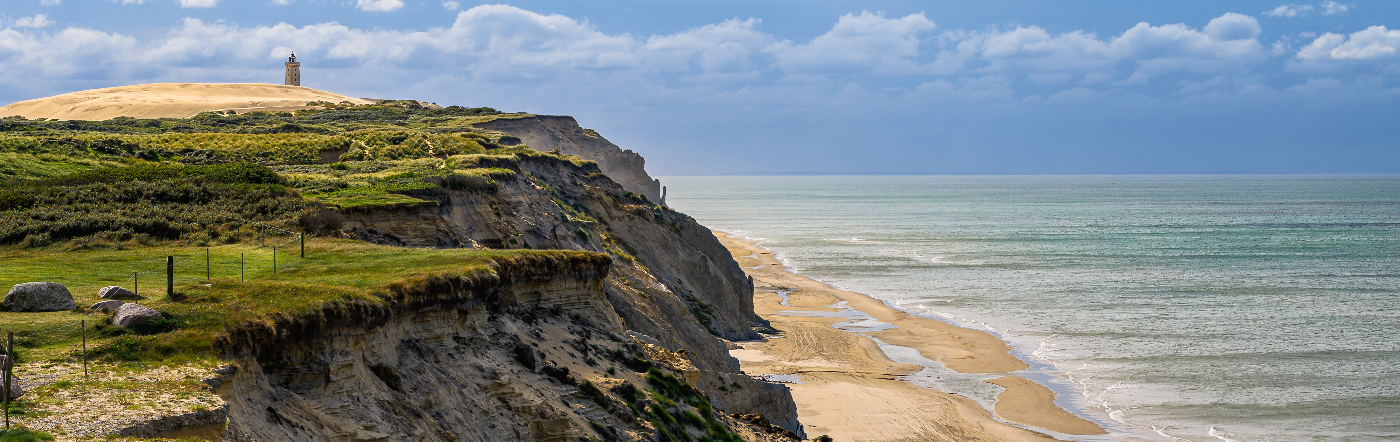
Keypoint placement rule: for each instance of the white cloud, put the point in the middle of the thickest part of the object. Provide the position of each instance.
(1294, 10)
(198, 3)
(50, 2)
(1373, 43)
(1227, 42)
(1289, 11)
(505, 45)
(37, 21)
(70, 53)
(379, 5)
(1334, 8)
(451, 5)
(731, 47)
(865, 42)
(281, 2)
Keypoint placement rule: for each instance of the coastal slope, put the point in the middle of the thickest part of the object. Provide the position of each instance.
(650, 301)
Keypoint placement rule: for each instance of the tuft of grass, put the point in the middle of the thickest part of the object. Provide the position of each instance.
(17, 434)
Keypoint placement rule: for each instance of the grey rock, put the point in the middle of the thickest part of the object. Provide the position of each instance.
(133, 314)
(105, 307)
(15, 389)
(118, 293)
(39, 297)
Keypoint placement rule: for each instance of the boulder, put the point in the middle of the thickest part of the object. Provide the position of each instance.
(118, 293)
(105, 307)
(39, 297)
(133, 314)
(15, 390)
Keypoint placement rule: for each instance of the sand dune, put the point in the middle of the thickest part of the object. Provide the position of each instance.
(171, 100)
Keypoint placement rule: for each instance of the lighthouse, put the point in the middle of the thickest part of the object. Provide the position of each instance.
(293, 71)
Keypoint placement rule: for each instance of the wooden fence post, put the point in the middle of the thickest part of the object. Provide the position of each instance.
(136, 283)
(208, 271)
(169, 276)
(240, 267)
(303, 245)
(274, 260)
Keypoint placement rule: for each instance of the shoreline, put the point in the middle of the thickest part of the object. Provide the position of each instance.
(833, 355)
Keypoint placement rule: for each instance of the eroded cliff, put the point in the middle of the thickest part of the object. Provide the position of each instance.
(550, 132)
(671, 282)
(528, 351)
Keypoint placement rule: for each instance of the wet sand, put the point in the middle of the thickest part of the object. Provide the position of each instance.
(848, 389)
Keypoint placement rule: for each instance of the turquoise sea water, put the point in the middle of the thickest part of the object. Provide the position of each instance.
(1202, 308)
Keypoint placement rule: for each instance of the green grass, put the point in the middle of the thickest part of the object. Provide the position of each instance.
(23, 435)
(385, 131)
(381, 199)
(30, 166)
(333, 271)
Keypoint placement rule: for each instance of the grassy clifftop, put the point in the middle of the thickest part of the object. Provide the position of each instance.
(87, 203)
(223, 178)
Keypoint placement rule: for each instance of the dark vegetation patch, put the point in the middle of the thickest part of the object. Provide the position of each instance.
(204, 204)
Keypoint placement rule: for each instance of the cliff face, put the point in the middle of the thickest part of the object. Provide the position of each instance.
(671, 281)
(549, 132)
(502, 356)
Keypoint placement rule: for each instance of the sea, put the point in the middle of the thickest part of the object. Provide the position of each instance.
(1187, 308)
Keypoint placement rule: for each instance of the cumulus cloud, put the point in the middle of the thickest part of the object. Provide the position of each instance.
(379, 5)
(1289, 11)
(864, 42)
(1334, 8)
(1226, 42)
(451, 5)
(1373, 43)
(499, 44)
(198, 3)
(1295, 10)
(50, 2)
(731, 47)
(37, 21)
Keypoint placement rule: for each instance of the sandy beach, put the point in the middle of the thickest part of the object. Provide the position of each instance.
(846, 388)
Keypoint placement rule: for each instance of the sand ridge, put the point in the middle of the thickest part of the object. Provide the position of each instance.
(171, 100)
(851, 391)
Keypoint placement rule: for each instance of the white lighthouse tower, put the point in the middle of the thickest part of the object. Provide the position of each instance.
(293, 71)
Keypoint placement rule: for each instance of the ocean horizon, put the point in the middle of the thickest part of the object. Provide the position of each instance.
(1165, 307)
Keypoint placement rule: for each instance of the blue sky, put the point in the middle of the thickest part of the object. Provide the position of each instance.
(720, 87)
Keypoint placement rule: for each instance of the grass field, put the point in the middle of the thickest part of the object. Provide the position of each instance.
(88, 203)
(333, 270)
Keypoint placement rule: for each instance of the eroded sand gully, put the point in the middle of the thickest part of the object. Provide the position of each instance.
(848, 389)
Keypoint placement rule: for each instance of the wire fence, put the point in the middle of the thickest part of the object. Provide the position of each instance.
(283, 238)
